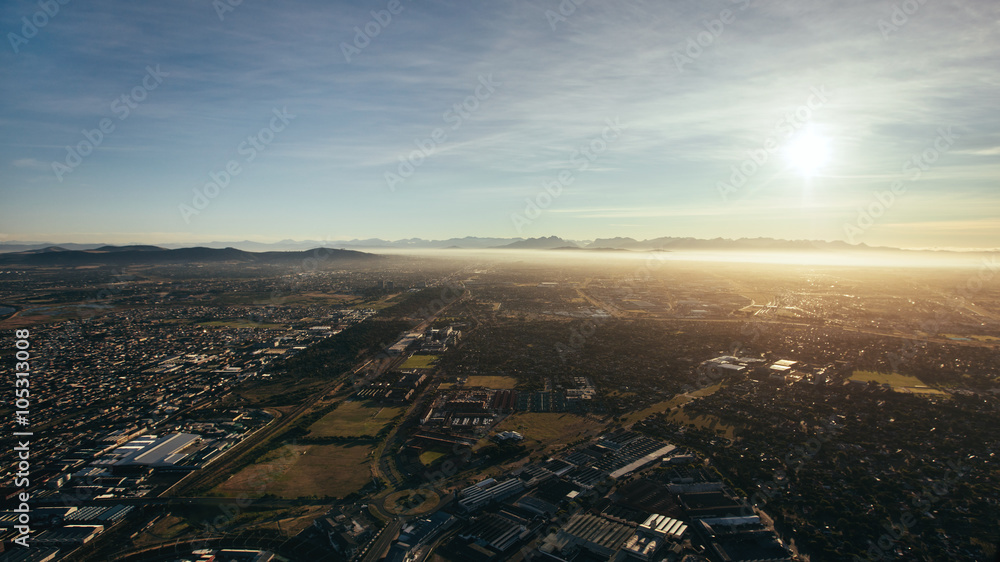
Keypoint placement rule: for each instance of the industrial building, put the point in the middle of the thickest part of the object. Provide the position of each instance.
(177, 451)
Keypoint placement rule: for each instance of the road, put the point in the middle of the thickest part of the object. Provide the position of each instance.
(384, 463)
(383, 541)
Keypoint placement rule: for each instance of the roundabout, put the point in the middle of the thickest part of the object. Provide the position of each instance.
(411, 502)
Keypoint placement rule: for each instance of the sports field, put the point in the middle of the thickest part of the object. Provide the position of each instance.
(419, 362)
(499, 383)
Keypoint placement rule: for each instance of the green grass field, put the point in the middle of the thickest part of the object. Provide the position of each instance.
(353, 419)
(500, 383)
(419, 362)
(293, 471)
(428, 457)
(548, 431)
(898, 382)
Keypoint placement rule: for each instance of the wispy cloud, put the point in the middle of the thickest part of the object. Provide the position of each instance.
(31, 163)
(686, 129)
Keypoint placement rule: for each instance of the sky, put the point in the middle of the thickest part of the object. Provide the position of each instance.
(205, 120)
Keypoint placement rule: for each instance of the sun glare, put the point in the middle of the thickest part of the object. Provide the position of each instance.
(808, 152)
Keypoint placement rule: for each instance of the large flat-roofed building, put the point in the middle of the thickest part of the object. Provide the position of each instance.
(596, 534)
(170, 452)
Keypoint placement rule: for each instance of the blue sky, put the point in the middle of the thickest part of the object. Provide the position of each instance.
(694, 89)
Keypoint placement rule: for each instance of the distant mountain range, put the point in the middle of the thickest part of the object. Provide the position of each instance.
(668, 243)
(155, 255)
(469, 242)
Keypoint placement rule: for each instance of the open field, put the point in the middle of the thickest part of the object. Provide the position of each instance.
(240, 323)
(288, 522)
(278, 390)
(167, 528)
(657, 408)
(324, 299)
(353, 419)
(549, 431)
(419, 362)
(293, 471)
(492, 382)
(384, 302)
(680, 400)
(898, 382)
(706, 422)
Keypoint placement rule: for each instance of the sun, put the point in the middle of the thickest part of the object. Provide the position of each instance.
(808, 152)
